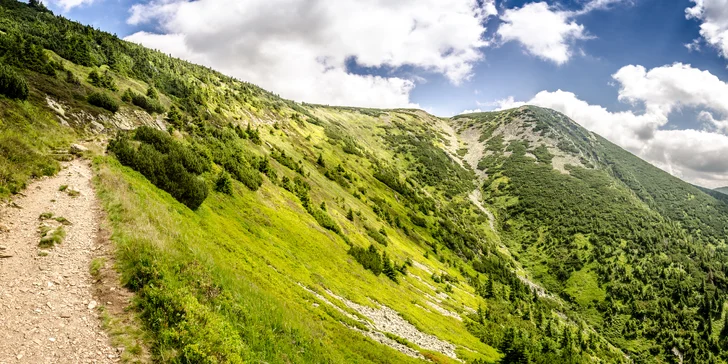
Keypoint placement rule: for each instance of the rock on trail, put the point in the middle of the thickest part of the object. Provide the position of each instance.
(46, 313)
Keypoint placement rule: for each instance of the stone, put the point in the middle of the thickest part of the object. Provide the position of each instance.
(92, 305)
(77, 149)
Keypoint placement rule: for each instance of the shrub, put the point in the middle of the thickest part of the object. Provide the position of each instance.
(12, 84)
(166, 163)
(376, 235)
(325, 220)
(388, 268)
(150, 105)
(102, 80)
(152, 93)
(368, 258)
(103, 100)
(71, 78)
(224, 184)
(244, 172)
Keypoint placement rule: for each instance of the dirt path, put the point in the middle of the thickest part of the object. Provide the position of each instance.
(47, 311)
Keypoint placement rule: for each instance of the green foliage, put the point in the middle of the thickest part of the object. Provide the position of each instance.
(377, 236)
(20, 161)
(388, 268)
(103, 100)
(103, 80)
(369, 258)
(224, 183)
(628, 225)
(152, 106)
(12, 84)
(51, 237)
(281, 157)
(71, 78)
(431, 165)
(152, 93)
(166, 163)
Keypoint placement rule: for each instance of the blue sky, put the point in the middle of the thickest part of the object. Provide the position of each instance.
(620, 68)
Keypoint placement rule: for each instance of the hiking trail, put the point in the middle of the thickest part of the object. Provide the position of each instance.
(47, 308)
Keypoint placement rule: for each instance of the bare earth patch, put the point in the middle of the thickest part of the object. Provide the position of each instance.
(47, 308)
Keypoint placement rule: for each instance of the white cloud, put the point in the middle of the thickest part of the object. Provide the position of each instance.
(470, 111)
(544, 31)
(698, 156)
(67, 5)
(299, 49)
(713, 15)
(548, 31)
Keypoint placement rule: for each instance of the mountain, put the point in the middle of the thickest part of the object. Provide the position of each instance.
(253, 228)
(723, 190)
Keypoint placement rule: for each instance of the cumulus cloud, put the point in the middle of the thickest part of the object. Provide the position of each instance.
(67, 5)
(713, 15)
(300, 49)
(544, 31)
(697, 155)
(470, 111)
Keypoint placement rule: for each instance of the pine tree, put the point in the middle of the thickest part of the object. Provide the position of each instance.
(350, 214)
(321, 161)
(489, 288)
(152, 93)
(388, 268)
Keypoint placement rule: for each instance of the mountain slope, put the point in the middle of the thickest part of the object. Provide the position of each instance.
(723, 190)
(638, 253)
(252, 228)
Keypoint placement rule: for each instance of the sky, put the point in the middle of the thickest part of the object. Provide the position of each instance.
(649, 75)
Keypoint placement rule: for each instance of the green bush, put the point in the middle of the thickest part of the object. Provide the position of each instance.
(325, 220)
(102, 80)
(12, 84)
(376, 235)
(369, 258)
(71, 78)
(103, 100)
(224, 184)
(165, 163)
(150, 105)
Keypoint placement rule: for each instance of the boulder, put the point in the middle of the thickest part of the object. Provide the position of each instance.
(77, 149)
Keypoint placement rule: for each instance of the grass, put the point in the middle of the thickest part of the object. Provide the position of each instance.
(126, 334)
(96, 265)
(52, 237)
(62, 220)
(63, 188)
(49, 215)
(28, 133)
(251, 251)
(73, 193)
